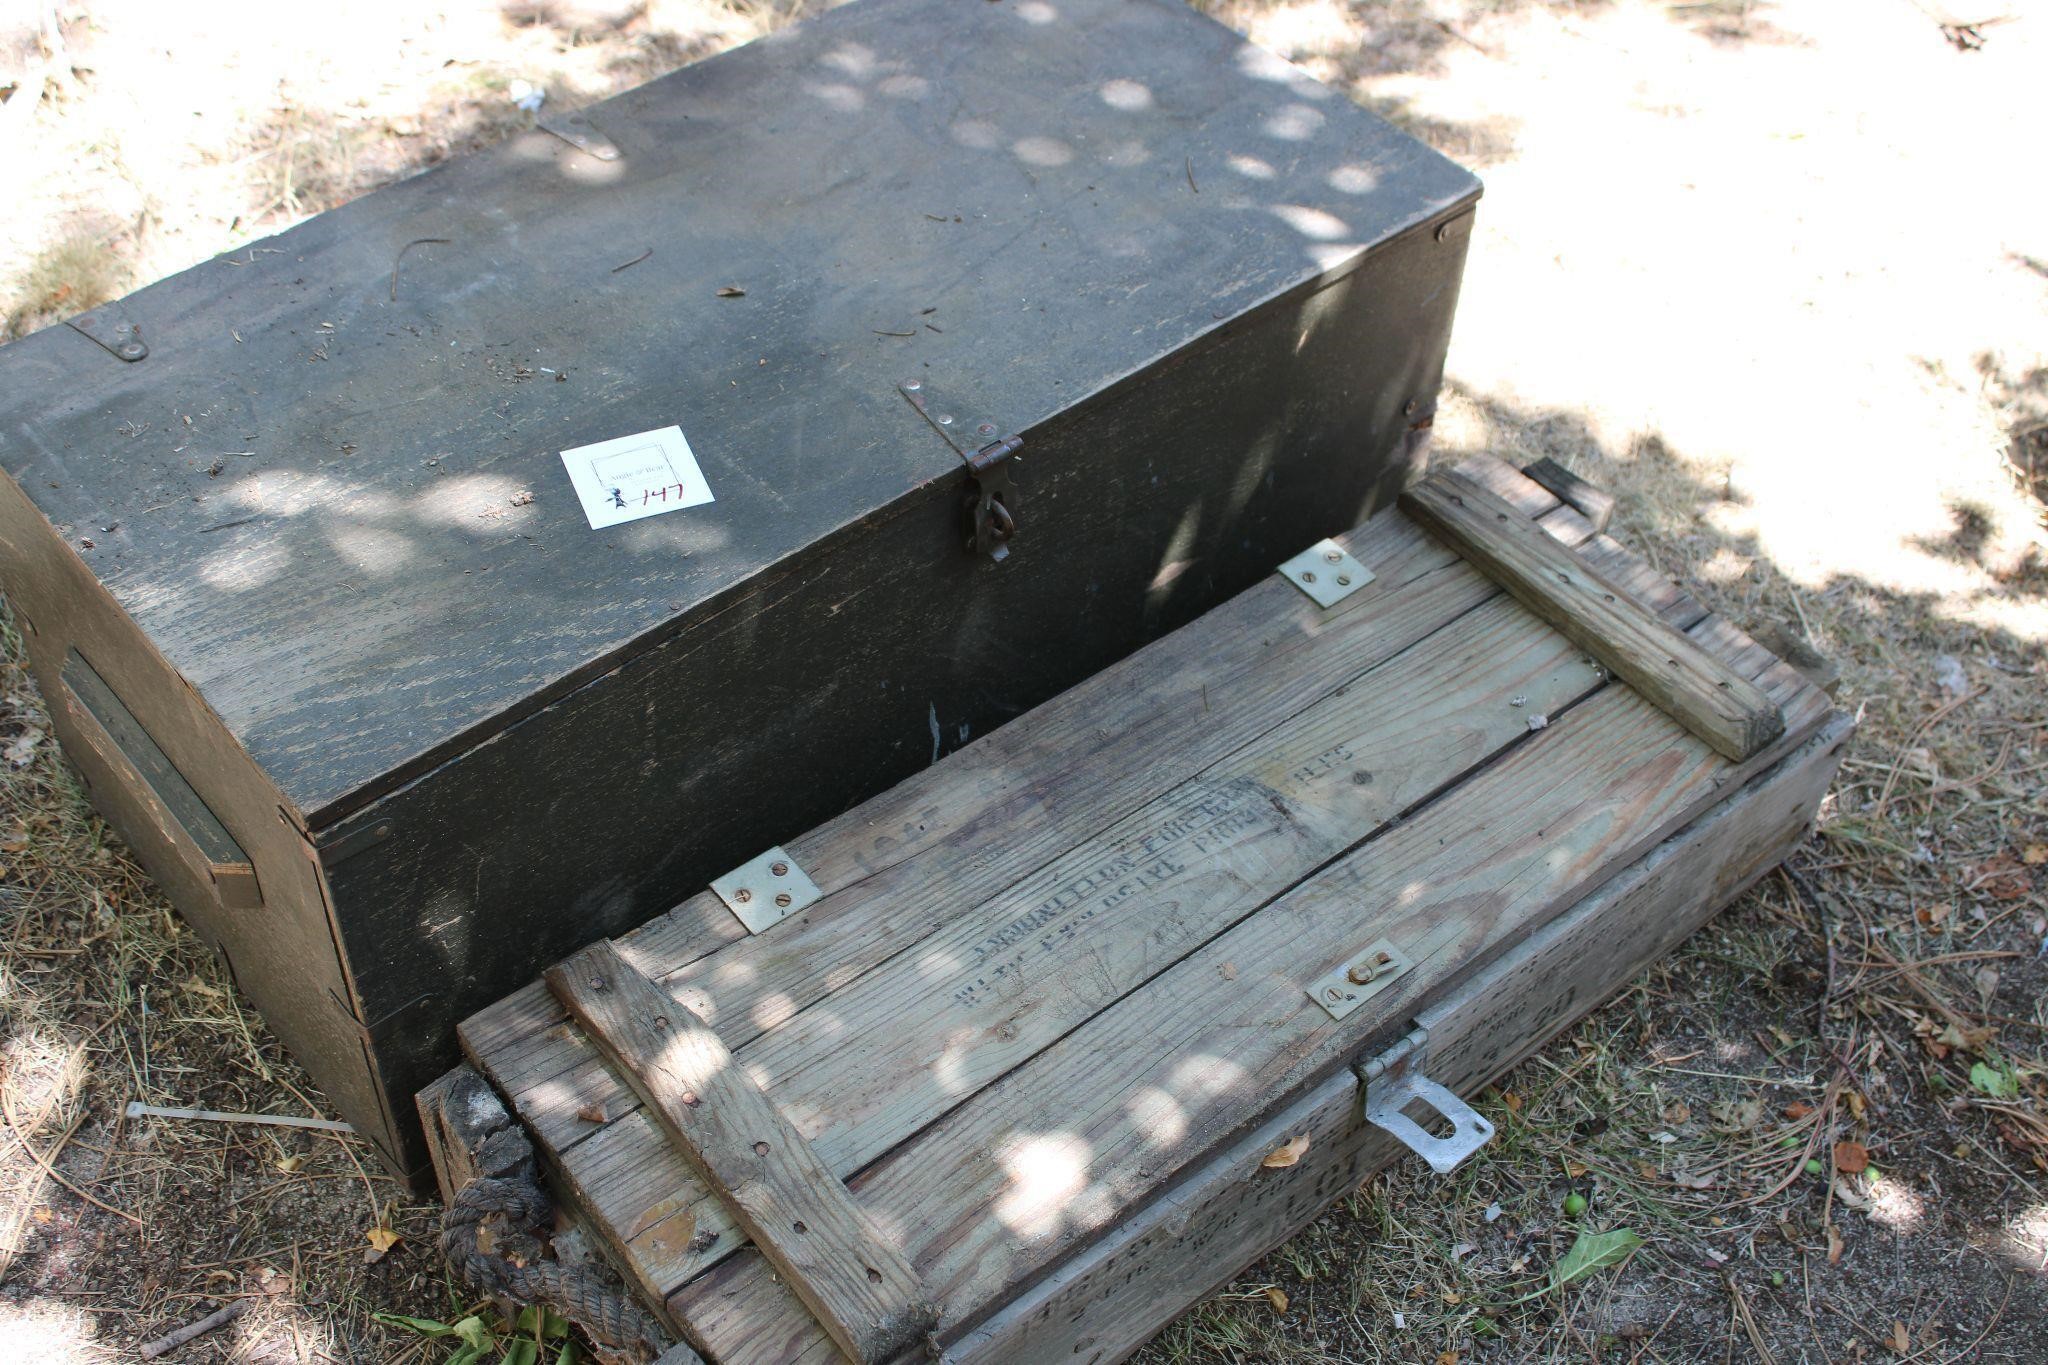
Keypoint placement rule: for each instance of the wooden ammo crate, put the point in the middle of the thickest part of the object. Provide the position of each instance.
(1007, 1082)
(1092, 286)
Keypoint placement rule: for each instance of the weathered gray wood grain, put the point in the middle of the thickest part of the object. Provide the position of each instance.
(1107, 1301)
(1203, 856)
(792, 1206)
(1029, 1169)
(1701, 693)
(1135, 730)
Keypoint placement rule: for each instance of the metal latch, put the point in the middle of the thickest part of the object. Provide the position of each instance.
(576, 129)
(766, 889)
(1351, 984)
(1394, 1080)
(110, 327)
(991, 502)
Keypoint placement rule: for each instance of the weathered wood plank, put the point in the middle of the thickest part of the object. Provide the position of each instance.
(470, 1134)
(1594, 503)
(1108, 1301)
(1035, 1166)
(860, 1290)
(1136, 730)
(895, 1049)
(1699, 691)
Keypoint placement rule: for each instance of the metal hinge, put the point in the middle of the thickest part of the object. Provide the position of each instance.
(1394, 1080)
(991, 502)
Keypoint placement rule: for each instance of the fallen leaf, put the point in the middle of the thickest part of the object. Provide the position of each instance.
(1575, 1169)
(1685, 1180)
(1931, 916)
(1286, 1154)
(1798, 1109)
(1901, 1341)
(1834, 1246)
(1276, 1296)
(21, 750)
(381, 1240)
(1228, 971)
(592, 1113)
(1678, 1112)
(2035, 855)
(1447, 1358)
(1590, 1252)
(2004, 878)
(1852, 1157)
(290, 1163)
(731, 291)
(1512, 1101)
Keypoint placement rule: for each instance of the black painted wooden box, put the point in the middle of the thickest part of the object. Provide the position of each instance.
(324, 625)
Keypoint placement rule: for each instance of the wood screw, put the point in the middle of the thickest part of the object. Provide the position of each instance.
(782, 899)
(779, 869)
(743, 895)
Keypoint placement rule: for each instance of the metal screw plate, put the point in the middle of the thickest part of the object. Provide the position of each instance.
(1326, 572)
(766, 889)
(1342, 991)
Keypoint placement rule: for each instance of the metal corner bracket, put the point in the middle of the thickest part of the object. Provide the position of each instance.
(766, 889)
(1394, 1080)
(1327, 572)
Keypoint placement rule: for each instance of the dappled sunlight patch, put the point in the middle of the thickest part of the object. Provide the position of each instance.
(1895, 1204)
(51, 1333)
(1203, 1077)
(2024, 1239)
(1158, 1115)
(1126, 94)
(1045, 1174)
(778, 1007)
(244, 569)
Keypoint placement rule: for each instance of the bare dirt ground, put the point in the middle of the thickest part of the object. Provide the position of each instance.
(1777, 274)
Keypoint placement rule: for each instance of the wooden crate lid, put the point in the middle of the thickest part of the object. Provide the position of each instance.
(1023, 204)
(1068, 961)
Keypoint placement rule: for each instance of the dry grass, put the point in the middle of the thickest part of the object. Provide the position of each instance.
(1771, 272)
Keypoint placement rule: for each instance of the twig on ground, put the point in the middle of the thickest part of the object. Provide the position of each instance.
(219, 1317)
(137, 1109)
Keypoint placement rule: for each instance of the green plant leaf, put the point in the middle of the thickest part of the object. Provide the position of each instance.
(552, 1325)
(568, 1355)
(474, 1332)
(468, 1355)
(1589, 1252)
(1592, 1251)
(1997, 1081)
(426, 1327)
(522, 1351)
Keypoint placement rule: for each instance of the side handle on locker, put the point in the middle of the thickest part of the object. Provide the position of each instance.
(192, 829)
